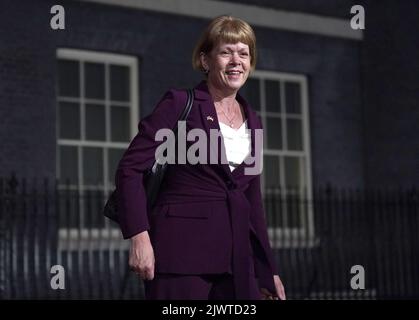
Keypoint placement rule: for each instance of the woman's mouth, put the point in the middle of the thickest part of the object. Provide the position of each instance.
(233, 74)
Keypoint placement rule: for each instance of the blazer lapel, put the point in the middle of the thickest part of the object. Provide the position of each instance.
(210, 121)
(252, 124)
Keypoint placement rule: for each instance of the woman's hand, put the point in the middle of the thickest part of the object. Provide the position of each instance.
(141, 256)
(280, 291)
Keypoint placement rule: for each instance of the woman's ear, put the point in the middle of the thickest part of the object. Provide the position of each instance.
(204, 62)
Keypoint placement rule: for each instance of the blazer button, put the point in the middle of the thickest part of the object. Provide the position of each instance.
(231, 185)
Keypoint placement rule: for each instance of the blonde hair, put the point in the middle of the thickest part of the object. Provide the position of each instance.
(224, 29)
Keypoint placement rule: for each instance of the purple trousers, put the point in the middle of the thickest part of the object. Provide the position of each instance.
(195, 287)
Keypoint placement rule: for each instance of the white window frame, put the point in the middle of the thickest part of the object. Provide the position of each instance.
(68, 235)
(285, 236)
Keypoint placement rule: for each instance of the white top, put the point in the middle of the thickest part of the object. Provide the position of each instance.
(237, 144)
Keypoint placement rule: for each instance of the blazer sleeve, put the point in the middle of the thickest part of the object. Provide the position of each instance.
(139, 156)
(265, 266)
(260, 227)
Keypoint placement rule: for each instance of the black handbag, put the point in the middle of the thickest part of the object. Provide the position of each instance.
(153, 177)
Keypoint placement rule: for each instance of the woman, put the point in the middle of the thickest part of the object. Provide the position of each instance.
(206, 237)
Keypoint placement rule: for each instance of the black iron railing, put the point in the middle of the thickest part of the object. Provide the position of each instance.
(318, 240)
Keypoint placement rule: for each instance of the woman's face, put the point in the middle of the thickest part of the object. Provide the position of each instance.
(228, 65)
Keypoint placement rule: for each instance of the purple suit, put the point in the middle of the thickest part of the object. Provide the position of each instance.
(207, 219)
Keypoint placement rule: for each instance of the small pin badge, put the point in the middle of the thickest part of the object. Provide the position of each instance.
(210, 118)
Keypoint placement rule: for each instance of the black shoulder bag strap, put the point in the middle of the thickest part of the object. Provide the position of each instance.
(154, 176)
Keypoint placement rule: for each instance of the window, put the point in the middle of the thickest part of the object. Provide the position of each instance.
(281, 100)
(97, 112)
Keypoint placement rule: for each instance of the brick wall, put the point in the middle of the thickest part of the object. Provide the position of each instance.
(391, 94)
(163, 44)
(333, 8)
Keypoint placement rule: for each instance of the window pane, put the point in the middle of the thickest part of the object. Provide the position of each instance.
(69, 117)
(274, 132)
(68, 165)
(120, 124)
(271, 171)
(294, 134)
(93, 166)
(95, 80)
(95, 122)
(114, 156)
(293, 97)
(120, 85)
(251, 93)
(292, 172)
(272, 93)
(68, 78)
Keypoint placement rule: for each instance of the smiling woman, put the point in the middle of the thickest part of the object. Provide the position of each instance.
(207, 236)
(226, 53)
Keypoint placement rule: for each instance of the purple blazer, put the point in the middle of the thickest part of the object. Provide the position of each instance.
(207, 219)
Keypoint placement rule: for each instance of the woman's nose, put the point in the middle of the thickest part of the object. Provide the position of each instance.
(235, 59)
